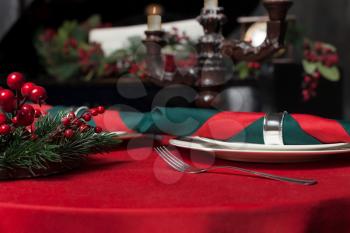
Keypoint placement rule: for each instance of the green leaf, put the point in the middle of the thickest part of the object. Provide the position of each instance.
(330, 73)
(244, 73)
(80, 35)
(242, 70)
(309, 67)
(329, 46)
(94, 21)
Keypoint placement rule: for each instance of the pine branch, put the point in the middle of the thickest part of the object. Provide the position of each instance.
(18, 150)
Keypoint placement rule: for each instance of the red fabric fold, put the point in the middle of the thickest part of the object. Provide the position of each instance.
(324, 130)
(224, 125)
(111, 121)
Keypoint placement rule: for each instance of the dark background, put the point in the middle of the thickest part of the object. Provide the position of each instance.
(323, 20)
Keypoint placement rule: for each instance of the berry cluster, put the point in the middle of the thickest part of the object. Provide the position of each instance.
(254, 65)
(15, 111)
(254, 69)
(137, 69)
(86, 58)
(72, 123)
(320, 52)
(310, 85)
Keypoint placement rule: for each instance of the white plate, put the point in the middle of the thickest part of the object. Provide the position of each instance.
(251, 146)
(262, 156)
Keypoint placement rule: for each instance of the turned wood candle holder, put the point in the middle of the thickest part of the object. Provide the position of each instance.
(208, 76)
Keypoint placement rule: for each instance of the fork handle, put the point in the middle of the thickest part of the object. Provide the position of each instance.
(269, 176)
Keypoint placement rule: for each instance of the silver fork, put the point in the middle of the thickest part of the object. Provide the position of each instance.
(181, 166)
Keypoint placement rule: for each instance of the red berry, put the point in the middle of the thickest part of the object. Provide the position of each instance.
(27, 88)
(317, 75)
(257, 65)
(38, 94)
(312, 57)
(250, 65)
(5, 129)
(101, 109)
(83, 128)
(314, 85)
(65, 121)
(87, 117)
(307, 79)
(3, 118)
(34, 137)
(78, 123)
(333, 59)
(15, 80)
(14, 120)
(68, 133)
(24, 118)
(6, 97)
(134, 69)
(94, 111)
(98, 129)
(306, 95)
(37, 113)
(28, 108)
(71, 116)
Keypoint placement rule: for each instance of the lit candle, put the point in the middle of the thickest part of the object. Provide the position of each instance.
(211, 4)
(154, 19)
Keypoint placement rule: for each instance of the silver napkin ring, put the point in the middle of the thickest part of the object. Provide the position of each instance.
(273, 128)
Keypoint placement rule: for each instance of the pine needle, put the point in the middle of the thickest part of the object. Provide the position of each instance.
(18, 150)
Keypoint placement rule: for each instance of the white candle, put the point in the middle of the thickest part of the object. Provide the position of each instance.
(154, 18)
(154, 23)
(211, 4)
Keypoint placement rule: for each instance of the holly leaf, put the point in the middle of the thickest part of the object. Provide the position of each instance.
(330, 73)
(329, 46)
(309, 67)
(94, 21)
(79, 34)
(65, 31)
(243, 70)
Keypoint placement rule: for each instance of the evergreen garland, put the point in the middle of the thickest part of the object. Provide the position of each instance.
(19, 150)
(33, 143)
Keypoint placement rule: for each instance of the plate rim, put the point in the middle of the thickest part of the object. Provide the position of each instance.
(228, 150)
(245, 146)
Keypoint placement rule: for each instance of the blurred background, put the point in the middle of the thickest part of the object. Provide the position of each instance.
(27, 27)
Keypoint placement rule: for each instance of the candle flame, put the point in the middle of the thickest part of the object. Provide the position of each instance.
(154, 9)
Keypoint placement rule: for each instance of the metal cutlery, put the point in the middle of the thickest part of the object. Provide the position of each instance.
(181, 166)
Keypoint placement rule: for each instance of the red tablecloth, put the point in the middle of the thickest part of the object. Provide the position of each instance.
(132, 190)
